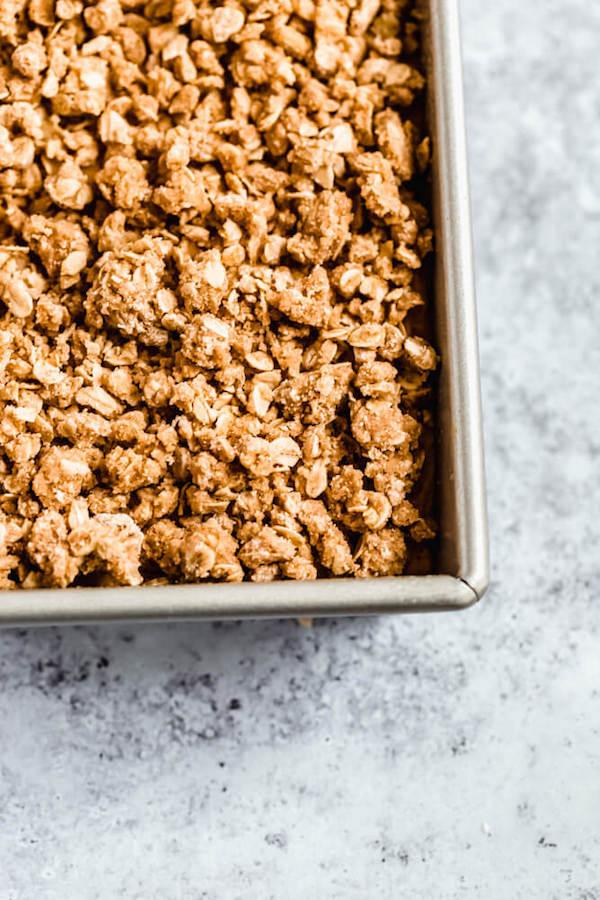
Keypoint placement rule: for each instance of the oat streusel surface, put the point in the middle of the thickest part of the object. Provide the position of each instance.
(212, 348)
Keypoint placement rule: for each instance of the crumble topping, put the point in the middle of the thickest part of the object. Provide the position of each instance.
(214, 360)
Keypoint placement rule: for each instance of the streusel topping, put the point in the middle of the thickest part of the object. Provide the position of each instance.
(213, 353)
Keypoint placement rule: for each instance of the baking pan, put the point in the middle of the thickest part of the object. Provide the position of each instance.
(463, 551)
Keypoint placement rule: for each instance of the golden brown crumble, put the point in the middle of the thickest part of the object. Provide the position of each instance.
(213, 351)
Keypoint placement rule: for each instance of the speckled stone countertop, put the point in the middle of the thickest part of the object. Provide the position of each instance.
(449, 756)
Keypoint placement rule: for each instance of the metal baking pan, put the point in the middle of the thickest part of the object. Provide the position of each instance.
(463, 552)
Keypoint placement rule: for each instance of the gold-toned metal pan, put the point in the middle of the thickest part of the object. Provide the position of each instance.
(463, 549)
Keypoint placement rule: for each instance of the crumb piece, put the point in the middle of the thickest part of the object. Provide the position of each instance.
(104, 17)
(224, 22)
(203, 282)
(420, 354)
(69, 187)
(112, 544)
(127, 293)
(378, 186)
(379, 425)
(329, 542)
(267, 547)
(208, 550)
(62, 246)
(325, 228)
(394, 138)
(49, 549)
(183, 190)
(309, 302)
(29, 59)
(207, 342)
(63, 473)
(123, 182)
(315, 396)
(382, 553)
(128, 470)
(85, 89)
(263, 457)
(162, 545)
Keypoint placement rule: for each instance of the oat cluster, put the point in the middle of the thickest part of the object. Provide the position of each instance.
(211, 292)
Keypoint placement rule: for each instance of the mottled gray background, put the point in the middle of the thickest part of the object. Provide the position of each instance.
(451, 756)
